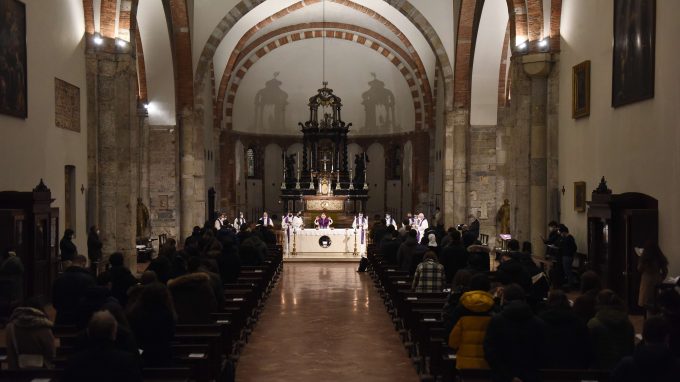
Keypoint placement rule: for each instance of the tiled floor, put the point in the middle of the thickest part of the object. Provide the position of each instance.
(324, 322)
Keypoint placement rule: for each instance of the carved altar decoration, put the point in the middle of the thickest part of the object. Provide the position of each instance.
(321, 176)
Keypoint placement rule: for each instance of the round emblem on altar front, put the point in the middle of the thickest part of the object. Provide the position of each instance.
(324, 241)
(324, 204)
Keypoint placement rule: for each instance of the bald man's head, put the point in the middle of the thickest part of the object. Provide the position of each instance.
(102, 326)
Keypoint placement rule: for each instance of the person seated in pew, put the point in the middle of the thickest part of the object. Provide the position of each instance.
(229, 261)
(193, 297)
(96, 299)
(452, 255)
(584, 305)
(120, 277)
(611, 332)
(511, 269)
(471, 317)
(478, 258)
(429, 276)
(389, 245)
(152, 319)
(514, 344)
(410, 252)
(652, 359)
(29, 338)
(195, 266)
(253, 250)
(101, 361)
(567, 337)
(68, 289)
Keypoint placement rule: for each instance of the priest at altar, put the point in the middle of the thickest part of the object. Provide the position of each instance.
(323, 222)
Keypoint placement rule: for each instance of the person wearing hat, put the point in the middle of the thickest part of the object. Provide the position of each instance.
(567, 251)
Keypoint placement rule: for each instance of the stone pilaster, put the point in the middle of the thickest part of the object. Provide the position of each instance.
(113, 122)
(461, 125)
(448, 203)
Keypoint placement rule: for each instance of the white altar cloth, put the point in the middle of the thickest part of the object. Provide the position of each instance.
(339, 246)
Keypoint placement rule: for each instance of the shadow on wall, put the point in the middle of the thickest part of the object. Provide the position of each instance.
(270, 106)
(378, 104)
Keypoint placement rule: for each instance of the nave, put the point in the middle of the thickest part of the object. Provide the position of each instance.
(324, 322)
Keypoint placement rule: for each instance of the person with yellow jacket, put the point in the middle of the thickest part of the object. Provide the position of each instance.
(467, 337)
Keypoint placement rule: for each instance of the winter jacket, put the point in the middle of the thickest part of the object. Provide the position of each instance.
(67, 292)
(121, 280)
(154, 329)
(584, 305)
(613, 337)
(193, 297)
(512, 271)
(102, 362)
(468, 334)
(94, 247)
(29, 332)
(650, 362)
(514, 343)
(567, 340)
(67, 249)
(454, 258)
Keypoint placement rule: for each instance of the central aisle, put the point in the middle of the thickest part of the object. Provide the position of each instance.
(324, 322)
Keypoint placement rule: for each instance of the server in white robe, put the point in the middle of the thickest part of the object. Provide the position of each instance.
(389, 221)
(239, 221)
(421, 226)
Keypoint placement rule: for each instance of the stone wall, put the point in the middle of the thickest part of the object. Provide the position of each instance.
(482, 177)
(163, 181)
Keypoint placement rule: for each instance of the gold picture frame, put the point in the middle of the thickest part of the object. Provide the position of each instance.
(580, 94)
(580, 196)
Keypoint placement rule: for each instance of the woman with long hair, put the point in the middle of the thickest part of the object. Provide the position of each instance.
(152, 319)
(653, 268)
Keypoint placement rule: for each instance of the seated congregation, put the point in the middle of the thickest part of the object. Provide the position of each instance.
(186, 318)
(469, 313)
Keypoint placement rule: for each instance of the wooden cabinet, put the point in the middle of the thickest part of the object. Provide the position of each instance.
(30, 227)
(617, 223)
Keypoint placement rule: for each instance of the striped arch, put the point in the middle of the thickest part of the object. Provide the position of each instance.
(468, 23)
(291, 37)
(420, 77)
(180, 40)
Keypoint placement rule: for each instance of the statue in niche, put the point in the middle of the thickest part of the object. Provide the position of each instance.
(503, 217)
(378, 104)
(270, 106)
(360, 161)
(143, 226)
(290, 168)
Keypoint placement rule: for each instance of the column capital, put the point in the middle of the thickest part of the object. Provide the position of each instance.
(537, 64)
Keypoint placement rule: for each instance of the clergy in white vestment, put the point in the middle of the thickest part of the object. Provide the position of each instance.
(411, 221)
(287, 225)
(219, 222)
(298, 222)
(421, 226)
(360, 224)
(239, 221)
(389, 221)
(265, 220)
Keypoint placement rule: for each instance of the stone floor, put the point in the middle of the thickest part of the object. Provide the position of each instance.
(324, 322)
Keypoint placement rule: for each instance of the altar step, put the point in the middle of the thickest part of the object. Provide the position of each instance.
(322, 257)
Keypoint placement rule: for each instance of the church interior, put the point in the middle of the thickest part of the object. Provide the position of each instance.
(339, 190)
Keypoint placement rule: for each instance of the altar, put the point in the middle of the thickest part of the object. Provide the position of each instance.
(324, 245)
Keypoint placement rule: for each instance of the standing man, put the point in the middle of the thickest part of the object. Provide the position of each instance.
(265, 220)
(239, 221)
(360, 223)
(421, 226)
(287, 225)
(219, 222)
(567, 250)
(437, 217)
(325, 221)
(411, 221)
(389, 221)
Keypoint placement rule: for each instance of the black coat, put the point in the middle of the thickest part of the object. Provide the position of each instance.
(567, 340)
(567, 246)
(512, 271)
(154, 329)
(67, 249)
(454, 258)
(162, 266)
(121, 280)
(389, 247)
(67, 292)
(94, 247)
(650, 363)
(103, 362)
(229, 263)
(514, 343)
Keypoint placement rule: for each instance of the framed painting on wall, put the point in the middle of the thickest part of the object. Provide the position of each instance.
(634, 47)
(580, 196)
(13, 77)
(580, 91)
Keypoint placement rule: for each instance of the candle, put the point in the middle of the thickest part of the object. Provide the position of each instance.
(298, 161)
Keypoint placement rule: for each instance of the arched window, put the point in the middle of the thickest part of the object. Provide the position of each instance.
(250, 162)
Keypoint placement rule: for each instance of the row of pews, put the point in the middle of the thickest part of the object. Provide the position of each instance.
(417, 319)
(201, 352)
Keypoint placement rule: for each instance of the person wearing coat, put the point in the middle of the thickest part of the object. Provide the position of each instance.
(514, 345)
(94, 249)
(120, 277)
(152, 320)
(30, 342)
(467, 337)
(194, 298)
(611, 332)
(68, 290)
(653, 268)
(67, 248)
(566, 335)
(12, 270)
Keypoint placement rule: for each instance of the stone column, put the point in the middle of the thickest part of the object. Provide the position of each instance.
(421, 171)
(448, 204)
(113, 122)
(538, 66)
(461, 124)
(192, 170)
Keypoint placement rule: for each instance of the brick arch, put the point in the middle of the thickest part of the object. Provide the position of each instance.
(535, 19)
(468, 23)
(420, 80)
(107, 18)
(555, 20)
(288, 37)
(517, 11)
(410, 12)
(180, 41)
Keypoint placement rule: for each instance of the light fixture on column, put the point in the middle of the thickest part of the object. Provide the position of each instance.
(543, 44)
(522, 46)
(97, 39)
(121, 43)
